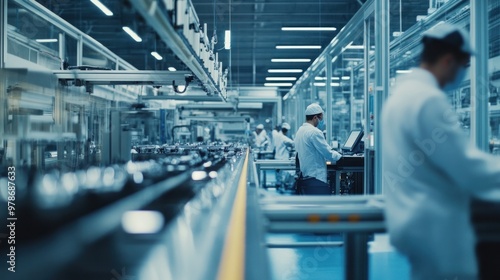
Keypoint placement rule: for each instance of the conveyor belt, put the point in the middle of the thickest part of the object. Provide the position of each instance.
(195, 212)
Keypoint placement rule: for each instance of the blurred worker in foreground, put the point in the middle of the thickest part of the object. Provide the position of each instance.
(261, 140)
(313, 153)
(430, 170)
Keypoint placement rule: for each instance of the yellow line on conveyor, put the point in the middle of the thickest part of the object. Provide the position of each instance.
(232, 265)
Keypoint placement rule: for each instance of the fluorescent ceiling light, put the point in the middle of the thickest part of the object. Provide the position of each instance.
(172, 69)
(403, 71)
(278, 84)
(308, 28)
(284, 70)
(355, 47)
(290, 60)
(346, 78)
(324, 84)
(103, 8)
(281, 79)
(227, 39)
(333, 78)
(298, 47)
(156, 55)
(46, 40)
(132, 34)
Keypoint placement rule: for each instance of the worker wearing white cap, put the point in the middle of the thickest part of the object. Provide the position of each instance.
(313, 152)
(430, 168)
(283, 145)
(261, 140)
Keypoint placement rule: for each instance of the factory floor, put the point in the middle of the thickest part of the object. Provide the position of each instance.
(291, 262)
(318, 262)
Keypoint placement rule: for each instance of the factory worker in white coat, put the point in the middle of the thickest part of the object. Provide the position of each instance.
(260, 137)
(313, 152)
(283, 144)
(430, 168)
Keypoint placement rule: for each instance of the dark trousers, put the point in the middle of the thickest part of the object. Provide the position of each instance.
(313, 186)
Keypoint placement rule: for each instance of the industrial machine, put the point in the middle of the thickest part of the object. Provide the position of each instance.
(346, 175)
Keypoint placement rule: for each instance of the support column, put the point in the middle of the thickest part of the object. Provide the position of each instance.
(3, 77)
(479, 74)
(329, 98)
(3, 32)
(381, 81)
(366, 112)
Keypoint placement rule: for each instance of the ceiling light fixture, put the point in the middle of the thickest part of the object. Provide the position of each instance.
(281, 79)
(47, 40)
(298, 47)
(290, 60)
(278, 84)
(355, 47)
(172, 69)
(156, 55)
(103, 8)
(132, 34)
(324, 84)
(285, 70)
(227, 40)
(308, 28)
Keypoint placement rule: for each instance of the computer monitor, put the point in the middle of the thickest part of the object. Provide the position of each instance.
(352, 144)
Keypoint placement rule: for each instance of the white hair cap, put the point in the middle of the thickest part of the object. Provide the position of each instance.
(451, 35)
(313, 109)
(260, 126)
(286, 126)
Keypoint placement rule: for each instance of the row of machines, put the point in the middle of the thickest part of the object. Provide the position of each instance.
(70, 220)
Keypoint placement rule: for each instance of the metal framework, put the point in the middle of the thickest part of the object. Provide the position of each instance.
(356, 216)
(122, 77)
(166, 31)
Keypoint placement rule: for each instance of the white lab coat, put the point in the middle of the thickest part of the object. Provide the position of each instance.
(430, 170)
(261, 138)
(313, 152)
(275, 134)
(282, 142)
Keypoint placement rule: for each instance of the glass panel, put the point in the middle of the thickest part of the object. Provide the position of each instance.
(32, 38)
(94, 58)
(405, 53)
(494, 69)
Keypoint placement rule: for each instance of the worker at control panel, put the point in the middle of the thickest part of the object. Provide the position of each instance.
(430, 168)
(313, 152)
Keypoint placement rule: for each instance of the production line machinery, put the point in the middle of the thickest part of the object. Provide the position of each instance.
(151, 219)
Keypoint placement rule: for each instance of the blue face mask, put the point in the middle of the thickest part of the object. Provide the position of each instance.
(455, 84)
(321, 125)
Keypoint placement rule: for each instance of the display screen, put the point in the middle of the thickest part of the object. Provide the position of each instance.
(351, 141)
